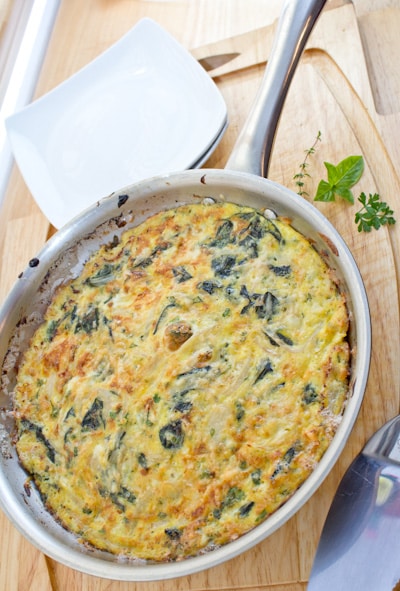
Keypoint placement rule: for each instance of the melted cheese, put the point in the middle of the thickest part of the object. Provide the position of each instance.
(185, 384)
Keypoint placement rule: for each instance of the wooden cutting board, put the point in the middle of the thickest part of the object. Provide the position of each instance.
(331, 93)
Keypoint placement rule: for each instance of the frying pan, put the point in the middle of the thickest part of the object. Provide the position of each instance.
(62, 259)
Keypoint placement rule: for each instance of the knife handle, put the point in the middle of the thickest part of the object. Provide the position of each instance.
(252, 150)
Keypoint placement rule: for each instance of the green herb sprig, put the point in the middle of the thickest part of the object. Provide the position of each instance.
(374, 213)
(341, 179)
(300, 177)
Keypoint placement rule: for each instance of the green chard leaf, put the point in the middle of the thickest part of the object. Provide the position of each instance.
(341, 179)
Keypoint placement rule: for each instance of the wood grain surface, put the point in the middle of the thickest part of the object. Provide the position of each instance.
(346, 87)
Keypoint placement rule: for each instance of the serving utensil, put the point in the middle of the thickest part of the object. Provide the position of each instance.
(359, 547)
(64, 256)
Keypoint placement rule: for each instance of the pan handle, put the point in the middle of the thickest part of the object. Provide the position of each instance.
(252, 150)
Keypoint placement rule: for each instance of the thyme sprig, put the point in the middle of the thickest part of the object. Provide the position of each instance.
(300, 177)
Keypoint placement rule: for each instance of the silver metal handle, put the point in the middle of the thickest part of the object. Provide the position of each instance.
(253, 147)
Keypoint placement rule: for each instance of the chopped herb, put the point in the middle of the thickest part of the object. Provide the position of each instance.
(183, 406)
(195, 370)
(262, 515)
(252, 234)
(179, 397)
(217, 513)
(181, 274)
(143, 263)
(127, 495)
(272, 229)
(119, 497)
(164, 311)
(51, 329)
(240, 412)
(67, 434)
(107, 323)
(250, 297)
(257, 228)
(273, 342)
(285, 339)
(38, 431)
(173, 533)
(284, 463)
(207, 474)
(147, 261)
(256, 476)
(89, 322)
(265, 370)
(251, 245)
(208, 286)
(103, 276)
(267, 306)
(233, 496)
(282, 271)
(310, 394)
(93, 419)
(244, 510)
(115, 499)
(118, 442)
(223, 235)
(70, 413)
(172, 435)
(223, 265)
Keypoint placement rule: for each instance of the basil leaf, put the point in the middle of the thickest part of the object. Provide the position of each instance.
(349, 171)
(324, 192)
(333, 173)
(345, 193)
(340, 179)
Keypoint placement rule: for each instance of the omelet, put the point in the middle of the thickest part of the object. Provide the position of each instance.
(185, 384)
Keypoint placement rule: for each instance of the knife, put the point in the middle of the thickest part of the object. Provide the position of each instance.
(359, 547)
(216, 61)
(244, 50)
(237, 52)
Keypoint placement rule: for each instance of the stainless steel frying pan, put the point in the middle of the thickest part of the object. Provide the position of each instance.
(63, 256)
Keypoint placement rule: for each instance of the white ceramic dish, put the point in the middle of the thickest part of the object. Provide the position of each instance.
(144, 107)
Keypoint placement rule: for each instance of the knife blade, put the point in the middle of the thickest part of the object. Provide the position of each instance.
(244, 50)
(359, 547)
(216, 61)
(237, 52)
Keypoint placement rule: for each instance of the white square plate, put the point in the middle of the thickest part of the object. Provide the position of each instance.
(142, 108)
